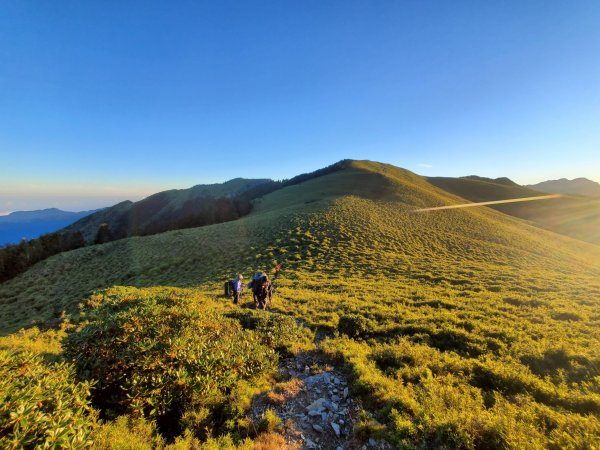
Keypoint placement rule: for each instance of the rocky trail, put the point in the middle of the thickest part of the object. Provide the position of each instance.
(315, 406)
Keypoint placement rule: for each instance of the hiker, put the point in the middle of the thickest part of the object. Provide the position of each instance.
(238, 287)
(261, 290)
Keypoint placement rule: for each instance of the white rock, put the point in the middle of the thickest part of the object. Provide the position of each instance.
(317, 405)
(345, 392)
(310, 444)
(336, 428)
(318, 428)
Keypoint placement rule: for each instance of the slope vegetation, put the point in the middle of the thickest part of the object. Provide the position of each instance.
(574, 216)
(177, 208)
(458, 328)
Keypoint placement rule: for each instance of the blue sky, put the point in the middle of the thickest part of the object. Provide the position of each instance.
(102, 101)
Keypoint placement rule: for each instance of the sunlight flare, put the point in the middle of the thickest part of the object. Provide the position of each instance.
(495, 202)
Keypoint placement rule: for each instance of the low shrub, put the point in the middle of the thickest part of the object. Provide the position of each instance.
(42, 406)
(165, 358)
(355, 326)
(277, 331)
(270, 422)
(127, 433)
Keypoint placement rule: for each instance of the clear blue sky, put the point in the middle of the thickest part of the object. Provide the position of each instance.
(105, 100)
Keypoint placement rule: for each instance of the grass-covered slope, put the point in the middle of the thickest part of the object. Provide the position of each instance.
(573, 216)
(461, 328)
(479, 189)
(165, 210)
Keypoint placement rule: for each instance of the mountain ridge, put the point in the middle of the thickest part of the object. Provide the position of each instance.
(576, 186)
(160, 212)
(574, 216)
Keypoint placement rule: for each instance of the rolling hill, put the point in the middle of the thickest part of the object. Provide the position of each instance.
(571, 215)
(458, 328)
(176, 208)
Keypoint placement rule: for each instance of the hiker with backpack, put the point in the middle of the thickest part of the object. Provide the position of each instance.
(238, 287)
(262, 290)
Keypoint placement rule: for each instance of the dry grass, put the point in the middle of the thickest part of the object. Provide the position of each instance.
(285, 391)
(272, 441)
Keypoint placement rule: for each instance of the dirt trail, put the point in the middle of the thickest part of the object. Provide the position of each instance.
(315, 405)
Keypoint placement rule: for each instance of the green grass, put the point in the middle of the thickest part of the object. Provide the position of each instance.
(476, 329)
(571, 215)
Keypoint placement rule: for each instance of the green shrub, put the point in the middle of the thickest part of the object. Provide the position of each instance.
(276, 331)
(166, 359)
(127, 433)
(41, 405)
(355, 326)
(270, 422)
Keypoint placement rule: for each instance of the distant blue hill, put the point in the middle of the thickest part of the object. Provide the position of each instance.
(32, 224)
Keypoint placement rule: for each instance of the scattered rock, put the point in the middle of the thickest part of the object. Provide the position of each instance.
(317, 405)
(336, 428)
(322, 402)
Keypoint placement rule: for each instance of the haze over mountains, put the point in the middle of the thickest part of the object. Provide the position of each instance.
(579, 186)
(30, 224)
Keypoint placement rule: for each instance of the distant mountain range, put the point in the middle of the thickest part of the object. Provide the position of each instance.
(30, 224)
(577, 186)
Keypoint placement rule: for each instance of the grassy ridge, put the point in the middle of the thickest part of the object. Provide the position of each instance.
(163, 210)
(574, 216)
(478, 330)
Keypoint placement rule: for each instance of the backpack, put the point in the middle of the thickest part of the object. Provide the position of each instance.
(228, 288)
